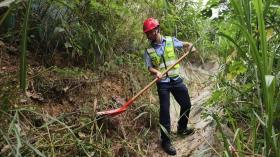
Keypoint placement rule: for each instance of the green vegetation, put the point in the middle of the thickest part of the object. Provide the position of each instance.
(23, 63)
(250, 76)
(75, 55)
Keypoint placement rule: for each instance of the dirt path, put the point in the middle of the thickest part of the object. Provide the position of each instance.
(203, 141)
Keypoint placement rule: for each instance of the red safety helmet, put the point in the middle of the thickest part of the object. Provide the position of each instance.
(150, 24)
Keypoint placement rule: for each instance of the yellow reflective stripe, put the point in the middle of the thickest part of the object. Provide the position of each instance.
(173, 72)
(168, 38)
(151, 50)
(168, 63)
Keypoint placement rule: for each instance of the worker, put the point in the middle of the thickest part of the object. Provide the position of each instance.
(158, 57)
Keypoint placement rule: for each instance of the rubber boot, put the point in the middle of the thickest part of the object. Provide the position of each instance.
(168, 148)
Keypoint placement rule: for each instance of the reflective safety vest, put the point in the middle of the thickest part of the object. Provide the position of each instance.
(169, 56)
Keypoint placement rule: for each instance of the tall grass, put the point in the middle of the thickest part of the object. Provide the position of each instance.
(52, 138)
(91, 32)
(248, 12)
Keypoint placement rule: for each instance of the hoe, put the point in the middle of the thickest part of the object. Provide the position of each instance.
(114, 112)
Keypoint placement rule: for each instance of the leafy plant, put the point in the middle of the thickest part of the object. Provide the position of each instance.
(262, 58)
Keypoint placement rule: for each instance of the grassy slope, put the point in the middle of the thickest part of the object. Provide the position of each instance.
(57, 114)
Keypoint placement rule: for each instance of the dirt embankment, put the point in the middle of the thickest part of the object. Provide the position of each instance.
(72, 95)
(55, 91)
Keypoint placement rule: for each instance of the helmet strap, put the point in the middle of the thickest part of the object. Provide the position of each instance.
(158, 29)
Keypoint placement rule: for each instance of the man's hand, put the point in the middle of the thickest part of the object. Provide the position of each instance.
(158, 75)
(187, 46)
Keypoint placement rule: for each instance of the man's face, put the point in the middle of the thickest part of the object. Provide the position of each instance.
(152, 35)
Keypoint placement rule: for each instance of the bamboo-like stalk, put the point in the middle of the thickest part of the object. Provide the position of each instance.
(263, 59)
(23, 63)
(267, 84)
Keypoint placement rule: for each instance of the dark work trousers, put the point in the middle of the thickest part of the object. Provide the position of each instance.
(181, 95)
